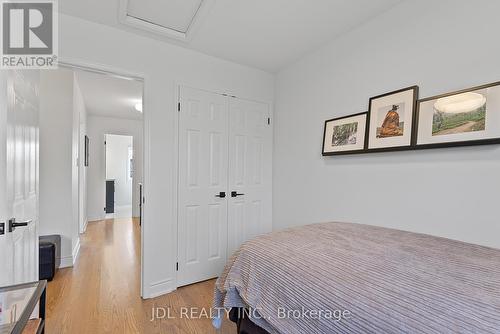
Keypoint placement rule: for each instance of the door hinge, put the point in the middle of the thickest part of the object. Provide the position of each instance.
(104, 142)
(177, 266)
(179, 106)
(104, 209)
(268, 121)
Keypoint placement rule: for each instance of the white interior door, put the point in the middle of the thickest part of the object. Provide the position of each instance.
(250, 171)
(203, 175)
(19, 133)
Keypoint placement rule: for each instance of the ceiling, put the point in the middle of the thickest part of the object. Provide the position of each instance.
(265, 34)
(108, 96)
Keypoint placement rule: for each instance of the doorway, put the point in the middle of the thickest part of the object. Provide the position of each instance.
(120, 180)
(80, 106)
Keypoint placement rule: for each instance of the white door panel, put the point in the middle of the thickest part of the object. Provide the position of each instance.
(202, 224)
(224, 146)
(250, 171)
(19, 108)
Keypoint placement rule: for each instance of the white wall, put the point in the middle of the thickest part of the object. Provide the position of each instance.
(58, 170)
(3, 148)
(440, 45)
(162, 65)
(117, 167)
(75, 173)
(97, 128)
(81, 113)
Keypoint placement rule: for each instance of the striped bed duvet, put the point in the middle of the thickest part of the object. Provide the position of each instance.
(352, 278)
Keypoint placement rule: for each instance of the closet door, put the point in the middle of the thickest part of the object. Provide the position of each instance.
(250, 171)
(203, 175)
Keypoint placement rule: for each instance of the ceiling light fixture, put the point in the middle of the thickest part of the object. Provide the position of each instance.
(138, 107)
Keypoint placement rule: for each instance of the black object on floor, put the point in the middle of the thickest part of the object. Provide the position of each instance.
(49, 256)
(110, 196)
(244, 325)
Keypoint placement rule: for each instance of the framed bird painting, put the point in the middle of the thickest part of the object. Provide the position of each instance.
(391, 118)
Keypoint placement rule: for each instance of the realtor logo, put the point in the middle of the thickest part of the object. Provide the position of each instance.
(29, 34)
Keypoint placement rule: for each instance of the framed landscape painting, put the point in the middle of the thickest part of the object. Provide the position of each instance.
(390, 119)
(467, 117)
(344, 134)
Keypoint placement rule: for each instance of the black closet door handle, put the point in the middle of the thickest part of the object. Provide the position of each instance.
(222, 194)
(13, 224)
(235, 194)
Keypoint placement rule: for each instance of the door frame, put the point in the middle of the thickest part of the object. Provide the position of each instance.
(105, 141)
(177, 94)
(72, 63)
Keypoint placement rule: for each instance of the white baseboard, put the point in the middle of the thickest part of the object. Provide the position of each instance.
(95, 219)
(76, 250)
(159, 288)
(69, 261)
(84, 227)
(66, 262)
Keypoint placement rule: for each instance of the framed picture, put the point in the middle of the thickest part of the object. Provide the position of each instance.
(86, 158)
(391, 118)
(467, 117)
(344, 134)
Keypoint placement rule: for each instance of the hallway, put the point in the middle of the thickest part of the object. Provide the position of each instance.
(101, 293)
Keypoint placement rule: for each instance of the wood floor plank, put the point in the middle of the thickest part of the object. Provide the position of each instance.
(101, 293)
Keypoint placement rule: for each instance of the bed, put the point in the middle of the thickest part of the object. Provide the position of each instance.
(353, 278)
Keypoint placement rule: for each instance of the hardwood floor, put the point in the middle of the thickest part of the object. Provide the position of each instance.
(101, 293)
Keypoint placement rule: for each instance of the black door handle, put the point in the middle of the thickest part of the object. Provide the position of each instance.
(222, 194)
(2, 228)
(235, 194)
(13, 224)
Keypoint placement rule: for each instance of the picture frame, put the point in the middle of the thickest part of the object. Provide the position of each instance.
(345, 135)
(462, 118)
(86, 151)
(391, 119)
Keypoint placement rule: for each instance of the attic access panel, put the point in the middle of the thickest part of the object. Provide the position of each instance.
(172, 18)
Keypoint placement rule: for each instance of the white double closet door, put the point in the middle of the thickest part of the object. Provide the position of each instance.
(225, 185)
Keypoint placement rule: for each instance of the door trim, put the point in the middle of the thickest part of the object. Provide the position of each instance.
(80, 64)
